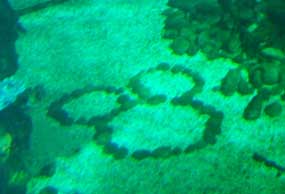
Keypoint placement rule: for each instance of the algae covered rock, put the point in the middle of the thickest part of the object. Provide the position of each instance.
(255, 77)
(157, 99)
(141, 154)
(254, 108)
(213, 127)
(273, 53)
(48, 190)
(244, 87)
(180, 45)
(176, 19)
(270, 74)
(230, 82)
(273, 109)
(275, 9)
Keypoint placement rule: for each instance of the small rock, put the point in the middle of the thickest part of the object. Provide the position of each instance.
(270, 74)
(121, 153)
(180, 45)
(197, 105)
(176, 151)
(162, 152)
(213, 127)
(273, 53)
(103, 133)
(254, 108)
(208, 109)
(48, 170)
(230, 82)
(117, 151)
(48, 190)
(273, 109)
(276, 90)
(138, 88)
(126, 102)
(157, 99)
(178, 68)
(163, 66)
(176, 20)
(255, 78)
(141, 154)
(188, 33)
(56, 112)
(244, 87)
(264, 93)
(184, 100)
(170, 33)
(111, 148)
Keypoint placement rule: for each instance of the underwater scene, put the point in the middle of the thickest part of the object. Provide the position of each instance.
(142, 96)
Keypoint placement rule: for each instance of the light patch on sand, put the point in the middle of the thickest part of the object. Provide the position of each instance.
(161, 125)
(167, 83)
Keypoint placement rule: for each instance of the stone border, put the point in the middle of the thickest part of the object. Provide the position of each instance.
(57, 112)
(104, 132)
(144, 93)
(269, 163)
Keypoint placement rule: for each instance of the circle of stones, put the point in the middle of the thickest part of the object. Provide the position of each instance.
(144, 93)
(103, 133)
(57, 112)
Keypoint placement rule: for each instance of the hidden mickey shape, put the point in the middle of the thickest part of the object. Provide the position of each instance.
(104, 132)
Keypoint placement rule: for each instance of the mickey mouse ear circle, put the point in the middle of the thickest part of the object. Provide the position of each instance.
(140, 105)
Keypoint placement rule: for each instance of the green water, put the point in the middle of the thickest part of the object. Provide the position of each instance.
(142, 97)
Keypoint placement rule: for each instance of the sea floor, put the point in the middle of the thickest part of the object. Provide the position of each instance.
(106, 43)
